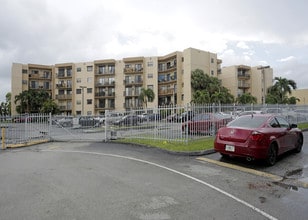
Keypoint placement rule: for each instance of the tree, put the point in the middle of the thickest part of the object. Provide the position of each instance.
(5, 107)
(50, 106)
(246, 98)
(199, 80)
(201, 97)
(279, 91)
(292, 100)
(31, 101)
(146, 95)
(208, 89)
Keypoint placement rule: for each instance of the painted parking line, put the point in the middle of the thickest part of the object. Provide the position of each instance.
(243, 169)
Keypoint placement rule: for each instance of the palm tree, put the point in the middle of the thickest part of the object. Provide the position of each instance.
(246, 98)
(146, 95)
(281, 88)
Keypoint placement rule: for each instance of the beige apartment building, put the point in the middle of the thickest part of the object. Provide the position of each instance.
(302, 95)
(240, 79)
(89, 88)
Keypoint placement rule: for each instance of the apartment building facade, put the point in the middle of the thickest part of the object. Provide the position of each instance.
(240, 79)
(91, 88)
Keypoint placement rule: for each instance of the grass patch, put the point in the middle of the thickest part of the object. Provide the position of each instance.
(303, 126)
(191, 146)
(201, 144)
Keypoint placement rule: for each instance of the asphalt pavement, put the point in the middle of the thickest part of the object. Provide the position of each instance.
(62, 180)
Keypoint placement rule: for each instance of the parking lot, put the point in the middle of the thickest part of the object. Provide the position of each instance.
(61, 180)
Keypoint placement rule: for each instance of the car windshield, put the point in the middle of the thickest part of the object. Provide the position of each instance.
(248, 122)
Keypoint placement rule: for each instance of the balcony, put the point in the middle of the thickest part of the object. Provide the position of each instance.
(63, 86)
(133, 70)
(243, 75)
(243, 85)
(133, 82)
(166, 92)
(105, 94)
(65, 108)
(104, 84)
(63, 97)
(39, 76)
(63, 75)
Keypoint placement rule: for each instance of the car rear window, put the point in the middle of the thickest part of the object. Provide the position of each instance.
(248, 122)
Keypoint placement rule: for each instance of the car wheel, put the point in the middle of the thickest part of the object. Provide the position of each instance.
(299, 144)
(271, 155)
(226, 156)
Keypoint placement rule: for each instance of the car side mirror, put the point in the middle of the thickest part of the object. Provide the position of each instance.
(293, 126)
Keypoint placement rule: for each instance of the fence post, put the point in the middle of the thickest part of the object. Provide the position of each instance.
(3, 138)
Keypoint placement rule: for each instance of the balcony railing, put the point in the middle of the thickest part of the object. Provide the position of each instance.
(63, 85)
(133, 82)
(133, 70)
(243, 75)
(63, 96)
(105, 94)
(65, 108)
(243, 85)
(166, 92)
(99, 84)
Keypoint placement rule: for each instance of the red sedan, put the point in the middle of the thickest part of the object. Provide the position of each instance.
(207, 123)
(258, 136)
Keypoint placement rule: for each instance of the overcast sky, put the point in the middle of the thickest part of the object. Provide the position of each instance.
(250, 32)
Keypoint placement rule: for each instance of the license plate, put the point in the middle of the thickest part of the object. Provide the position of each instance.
(229, 148)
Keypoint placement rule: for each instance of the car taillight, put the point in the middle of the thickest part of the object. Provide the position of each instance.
(256, 136)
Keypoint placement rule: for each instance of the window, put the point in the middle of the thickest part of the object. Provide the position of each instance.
(78, 91)
(212, 72)
(78, 69)
(78, 102)
(89, 90)
(24, 82)
(274, 124)
(151, 87)
(89, 79)
(282, 122)
(89, 112)
(24, 71)
(34, 85)
(150, 63)
(69, 72)
(89, 68)
(212, 60)
(89, 101)
(150, 75)
(182, 97)
(78, 80)
(78, 112)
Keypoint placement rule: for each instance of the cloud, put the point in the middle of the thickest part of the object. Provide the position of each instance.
(243, 32)
(242, 45)
(287, 59)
